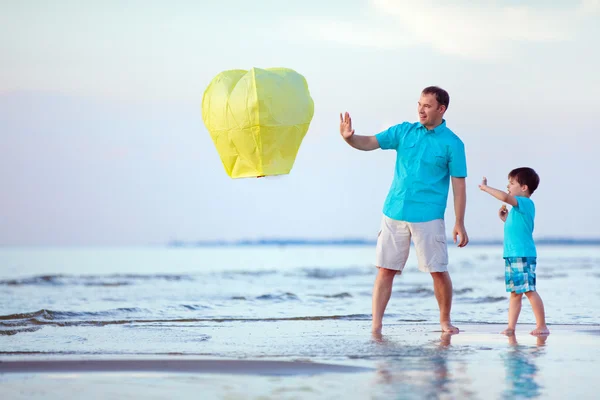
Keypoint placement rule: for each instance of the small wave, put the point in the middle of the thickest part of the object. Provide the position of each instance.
(194, 307)
(32, 324)
(552, 275)
(342, 295)
(481, 300)
(249, 273)
(10, 332)
(331, 273)
(463, 291)
(36, 280)
(50, 315)
(107, 284)
(418, 292)
(91, 280)
(278, 297)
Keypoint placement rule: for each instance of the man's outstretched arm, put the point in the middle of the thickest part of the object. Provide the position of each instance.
(365, 143)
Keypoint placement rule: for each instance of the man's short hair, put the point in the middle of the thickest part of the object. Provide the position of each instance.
(525, 176)
(440, 94)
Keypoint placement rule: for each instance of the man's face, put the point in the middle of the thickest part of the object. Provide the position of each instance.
(430, 111)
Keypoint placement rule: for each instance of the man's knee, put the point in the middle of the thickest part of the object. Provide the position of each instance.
(441, 276)
(387, 274)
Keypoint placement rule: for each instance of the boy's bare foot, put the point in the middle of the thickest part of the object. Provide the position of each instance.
(541, 330)
(448, 327)
(508, 332)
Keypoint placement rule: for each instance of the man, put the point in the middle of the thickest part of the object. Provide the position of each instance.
(427, 155)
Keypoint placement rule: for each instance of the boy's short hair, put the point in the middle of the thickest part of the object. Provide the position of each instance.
(525, 176)
(442, 97)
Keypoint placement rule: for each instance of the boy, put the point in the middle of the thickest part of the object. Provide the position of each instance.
(519, 247)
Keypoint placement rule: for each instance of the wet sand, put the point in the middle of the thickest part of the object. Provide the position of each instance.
(248, 367)
(407, 361)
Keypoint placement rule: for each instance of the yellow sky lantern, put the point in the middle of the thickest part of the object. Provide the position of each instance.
(257, 119)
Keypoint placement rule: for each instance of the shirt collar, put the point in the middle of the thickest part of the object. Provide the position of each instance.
(437, 129)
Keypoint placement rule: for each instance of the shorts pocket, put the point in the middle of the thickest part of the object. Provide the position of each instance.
(441, 250)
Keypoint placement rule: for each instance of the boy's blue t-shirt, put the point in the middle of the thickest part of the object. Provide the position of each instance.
(518, 229)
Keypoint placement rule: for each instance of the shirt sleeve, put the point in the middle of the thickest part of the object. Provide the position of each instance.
(524, 205)
(391, 137)
(458, 160)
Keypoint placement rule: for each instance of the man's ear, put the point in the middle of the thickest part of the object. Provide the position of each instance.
(442, 108)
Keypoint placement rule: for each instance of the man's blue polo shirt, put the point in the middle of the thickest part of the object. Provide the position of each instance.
(425, 160)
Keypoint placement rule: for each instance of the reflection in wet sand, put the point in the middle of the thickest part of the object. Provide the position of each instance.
(521, 369)
(421, 371)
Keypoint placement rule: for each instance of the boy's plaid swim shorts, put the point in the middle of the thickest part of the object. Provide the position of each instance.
(519, 274)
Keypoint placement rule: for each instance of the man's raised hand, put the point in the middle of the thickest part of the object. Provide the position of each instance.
(346, 126)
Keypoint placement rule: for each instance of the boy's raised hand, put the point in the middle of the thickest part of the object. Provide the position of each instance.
(483, 183)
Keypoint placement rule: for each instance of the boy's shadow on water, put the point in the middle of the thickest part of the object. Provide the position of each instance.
(521, 369)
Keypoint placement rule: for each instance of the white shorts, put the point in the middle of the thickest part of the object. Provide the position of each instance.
(429, 238)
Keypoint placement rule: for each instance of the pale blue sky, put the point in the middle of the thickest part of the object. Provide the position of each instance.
(103, 142)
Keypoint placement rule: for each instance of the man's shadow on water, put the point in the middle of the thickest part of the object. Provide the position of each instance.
(521, 369)
(419, 371)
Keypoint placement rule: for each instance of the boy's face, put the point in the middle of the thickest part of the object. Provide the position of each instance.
(515, 188)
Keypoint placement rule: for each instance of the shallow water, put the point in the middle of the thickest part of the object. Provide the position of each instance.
(292, 304)
(170, 291)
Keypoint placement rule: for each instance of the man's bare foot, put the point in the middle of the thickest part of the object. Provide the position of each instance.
(448, 327)
(541, 330)
(376, 329)
(445, 339)
(508, 332)
(377, 336)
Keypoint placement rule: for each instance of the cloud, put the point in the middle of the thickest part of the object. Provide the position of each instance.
(483, 31)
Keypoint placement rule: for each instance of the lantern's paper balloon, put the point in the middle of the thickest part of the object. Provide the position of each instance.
(257, 119)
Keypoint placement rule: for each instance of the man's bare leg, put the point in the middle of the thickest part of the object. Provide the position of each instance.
(382, 290)
(442, 287)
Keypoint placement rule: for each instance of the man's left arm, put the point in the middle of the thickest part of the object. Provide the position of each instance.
(459, 189)
(458, 171)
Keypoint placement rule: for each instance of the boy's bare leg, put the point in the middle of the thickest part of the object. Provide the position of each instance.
(537, 305)
(442, 287)
(382, 290)
(514, 309)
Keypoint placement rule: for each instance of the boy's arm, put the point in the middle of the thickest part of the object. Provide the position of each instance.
(499, 194)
